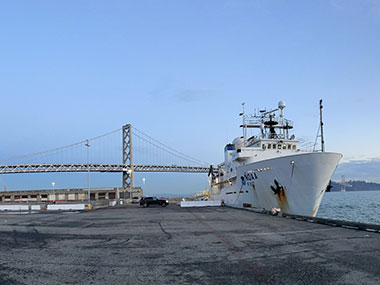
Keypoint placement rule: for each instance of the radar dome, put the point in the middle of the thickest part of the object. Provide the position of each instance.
(281, 105)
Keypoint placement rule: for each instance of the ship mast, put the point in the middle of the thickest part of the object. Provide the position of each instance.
(321, 125)
(244, 123)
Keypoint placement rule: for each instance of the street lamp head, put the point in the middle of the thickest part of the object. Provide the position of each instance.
(53, 183)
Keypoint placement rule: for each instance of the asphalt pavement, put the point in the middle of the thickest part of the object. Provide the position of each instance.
(173, 245)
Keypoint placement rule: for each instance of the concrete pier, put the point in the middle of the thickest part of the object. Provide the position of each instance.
(173, 245)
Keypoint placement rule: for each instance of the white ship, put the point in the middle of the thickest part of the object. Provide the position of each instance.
(270, 170)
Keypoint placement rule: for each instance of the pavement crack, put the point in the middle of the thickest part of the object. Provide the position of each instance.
(88, 225)
(43, 241)
(165, 232)
(108, 243)
(15, 237)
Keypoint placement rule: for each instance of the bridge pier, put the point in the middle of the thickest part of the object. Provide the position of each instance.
(128, 174)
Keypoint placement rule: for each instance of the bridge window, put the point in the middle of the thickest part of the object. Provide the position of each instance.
(289, 146)
(269, 146)
(294, 146)
(274, 146)
(279, 146)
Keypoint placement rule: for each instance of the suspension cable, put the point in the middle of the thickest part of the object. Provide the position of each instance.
(58, 148)
(166, 148)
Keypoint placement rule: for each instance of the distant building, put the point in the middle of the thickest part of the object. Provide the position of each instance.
(70, 195)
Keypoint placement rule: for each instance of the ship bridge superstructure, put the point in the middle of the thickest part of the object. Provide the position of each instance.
(272, 140)
(271, 125)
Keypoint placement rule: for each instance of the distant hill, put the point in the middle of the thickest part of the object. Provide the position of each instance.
(357, 185)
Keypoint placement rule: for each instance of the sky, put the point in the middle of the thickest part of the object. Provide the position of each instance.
(179, 71)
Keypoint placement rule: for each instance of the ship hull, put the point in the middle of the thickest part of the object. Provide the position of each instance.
(294, 183)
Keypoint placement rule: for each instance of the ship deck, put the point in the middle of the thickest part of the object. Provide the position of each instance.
(173, 245)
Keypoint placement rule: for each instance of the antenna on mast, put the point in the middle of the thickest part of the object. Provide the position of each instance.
(321, 125)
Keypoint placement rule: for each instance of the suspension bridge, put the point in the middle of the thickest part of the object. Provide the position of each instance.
(139, 153)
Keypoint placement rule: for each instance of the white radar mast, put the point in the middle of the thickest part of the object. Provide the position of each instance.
(281, 106)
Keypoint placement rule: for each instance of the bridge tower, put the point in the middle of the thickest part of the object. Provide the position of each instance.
(128, 179)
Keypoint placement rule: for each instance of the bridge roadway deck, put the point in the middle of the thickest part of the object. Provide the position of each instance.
(93, 167)
(173, 245)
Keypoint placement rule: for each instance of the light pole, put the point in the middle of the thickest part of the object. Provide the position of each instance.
(129, 171)
(88, 173)
(53, 184)
(143, 180)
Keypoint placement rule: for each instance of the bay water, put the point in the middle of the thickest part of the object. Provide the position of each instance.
(357, 206)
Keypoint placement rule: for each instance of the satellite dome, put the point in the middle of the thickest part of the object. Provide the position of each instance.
(281, 105)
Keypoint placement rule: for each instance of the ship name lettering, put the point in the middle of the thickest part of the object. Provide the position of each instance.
(250, 176)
